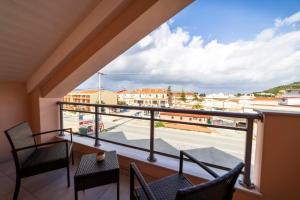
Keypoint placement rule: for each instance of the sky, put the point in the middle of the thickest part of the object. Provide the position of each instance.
(214, 46)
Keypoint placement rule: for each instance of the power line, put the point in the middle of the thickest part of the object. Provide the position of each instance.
(126, 74)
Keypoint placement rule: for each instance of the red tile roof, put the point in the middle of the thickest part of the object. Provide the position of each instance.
(87, 91)
(122, 91)
(144, 91)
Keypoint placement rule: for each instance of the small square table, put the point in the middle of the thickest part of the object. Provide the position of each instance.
(91, 173)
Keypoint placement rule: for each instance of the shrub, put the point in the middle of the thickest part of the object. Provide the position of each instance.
(159, 124)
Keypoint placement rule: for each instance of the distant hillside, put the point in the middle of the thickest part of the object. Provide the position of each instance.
(275, 90)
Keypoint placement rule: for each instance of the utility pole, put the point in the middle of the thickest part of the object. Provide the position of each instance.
(99, 91)
(99, 87)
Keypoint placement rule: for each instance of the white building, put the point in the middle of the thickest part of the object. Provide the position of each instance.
(154, 97)
(291, 97)
(220, 101)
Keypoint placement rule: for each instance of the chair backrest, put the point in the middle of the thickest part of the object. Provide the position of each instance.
(221, 188)
(20, 136)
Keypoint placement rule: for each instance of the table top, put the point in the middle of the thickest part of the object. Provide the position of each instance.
(89, 165)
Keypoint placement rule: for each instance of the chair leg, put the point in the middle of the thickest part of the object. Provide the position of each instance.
(68, 174)
(72, 157)
(17, 188)
(131, 183)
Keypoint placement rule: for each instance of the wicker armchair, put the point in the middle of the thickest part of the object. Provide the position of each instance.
(32, 158)
(179, 187)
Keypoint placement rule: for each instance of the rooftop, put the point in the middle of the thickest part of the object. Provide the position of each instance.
(144, 91)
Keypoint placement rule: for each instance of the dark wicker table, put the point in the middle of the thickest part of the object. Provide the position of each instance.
(91, 173)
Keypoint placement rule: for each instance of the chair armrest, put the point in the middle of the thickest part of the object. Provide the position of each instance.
(135, 172)
(38, 145)
(41, 133)
(192, 158)
(65, 129)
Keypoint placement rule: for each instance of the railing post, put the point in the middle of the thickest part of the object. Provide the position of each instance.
(97, 126)
(61, 119)
(151, 155)
(248, 154)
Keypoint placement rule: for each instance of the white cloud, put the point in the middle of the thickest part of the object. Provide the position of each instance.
(291, 20)
(145, 41)
(266, 34)
(177, 58)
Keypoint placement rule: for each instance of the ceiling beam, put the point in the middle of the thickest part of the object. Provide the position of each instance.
(133, 23)
(102, 14)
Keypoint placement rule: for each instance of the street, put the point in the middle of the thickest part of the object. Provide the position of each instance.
(221, 147)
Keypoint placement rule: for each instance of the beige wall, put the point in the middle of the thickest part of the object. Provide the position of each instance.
(108, 97)
(44, 115)
(17, 106)
(13, 110)
(278, 156)
(49, 117)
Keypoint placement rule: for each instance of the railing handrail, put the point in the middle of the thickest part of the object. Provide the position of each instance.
(256, 115)
(250, 117)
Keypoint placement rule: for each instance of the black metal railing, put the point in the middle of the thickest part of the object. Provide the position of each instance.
(249, 117)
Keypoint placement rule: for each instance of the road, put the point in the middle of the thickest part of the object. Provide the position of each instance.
(228, 146)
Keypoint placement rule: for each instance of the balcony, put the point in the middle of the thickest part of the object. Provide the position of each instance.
(45, 186)
(135, 131)
(153, 156)
(47, 51)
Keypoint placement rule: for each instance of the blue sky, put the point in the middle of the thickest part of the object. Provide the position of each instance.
(214, 46)
(231, 20)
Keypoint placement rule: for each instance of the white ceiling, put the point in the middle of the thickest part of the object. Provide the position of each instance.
(30, 30)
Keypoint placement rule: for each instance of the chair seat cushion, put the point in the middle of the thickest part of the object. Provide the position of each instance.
(46, 158)
(165, 188)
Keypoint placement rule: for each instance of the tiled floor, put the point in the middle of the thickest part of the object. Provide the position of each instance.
(53, 186)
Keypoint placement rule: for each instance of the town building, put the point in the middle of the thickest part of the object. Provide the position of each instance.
(186, 117)
(90, 96)
(290, 97)
(185, 100)
(188, 96)
(158, 97)
(221, 102)
(153, 97)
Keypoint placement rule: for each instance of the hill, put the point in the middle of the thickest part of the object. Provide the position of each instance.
(275, 90)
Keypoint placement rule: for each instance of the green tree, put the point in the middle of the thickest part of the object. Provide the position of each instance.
(197, 107)
(170, 96)
(196, 98)
(121, 102)
(183, 96)
(159, 124)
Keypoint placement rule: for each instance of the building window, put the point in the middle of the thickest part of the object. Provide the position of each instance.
(191, 119)
(172, 117)
(180, 118)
